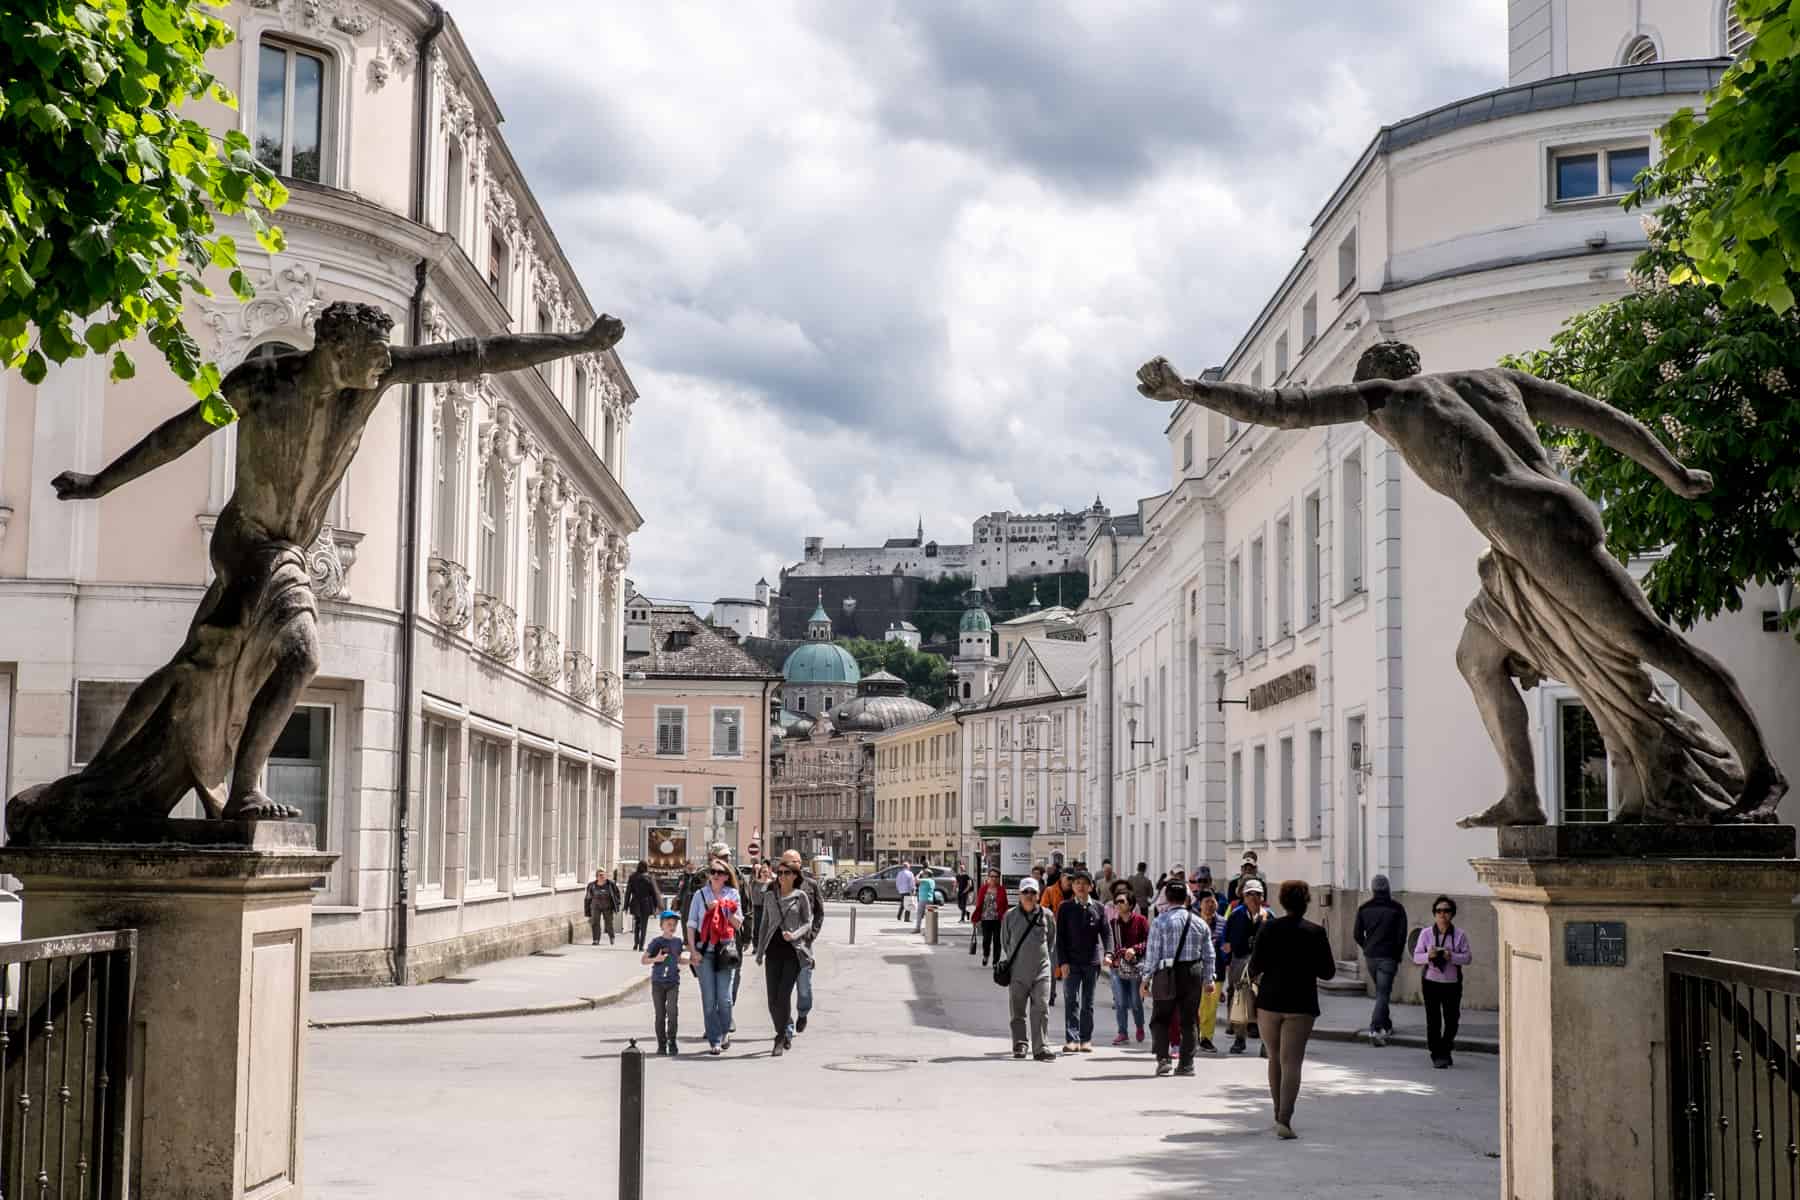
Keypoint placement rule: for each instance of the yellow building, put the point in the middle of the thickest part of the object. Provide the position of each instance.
(918, 791)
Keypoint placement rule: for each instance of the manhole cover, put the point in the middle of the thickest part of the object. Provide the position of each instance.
(872, 1063)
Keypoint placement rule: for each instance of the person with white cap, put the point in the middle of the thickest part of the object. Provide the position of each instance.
(1247, 870)
(1241, 930)
(1027, 948)
(1381, 932)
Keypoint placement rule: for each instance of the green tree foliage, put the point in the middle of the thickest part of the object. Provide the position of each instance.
(924, 673)
(1720, 384)
(939, 607)
(1068, 589)
(107, 221)
(1737, 170)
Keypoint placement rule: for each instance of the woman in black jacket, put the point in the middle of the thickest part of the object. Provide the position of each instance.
(643, 900)
(1291, 956)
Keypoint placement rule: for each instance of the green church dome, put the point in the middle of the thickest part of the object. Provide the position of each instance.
(975, 620)
(821, 662)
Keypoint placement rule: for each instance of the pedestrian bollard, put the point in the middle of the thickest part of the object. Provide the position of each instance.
(853, 927)
(931, 915)
(631, 1123)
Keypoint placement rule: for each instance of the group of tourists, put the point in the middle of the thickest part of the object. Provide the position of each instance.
(1183, 947)
(720, 914)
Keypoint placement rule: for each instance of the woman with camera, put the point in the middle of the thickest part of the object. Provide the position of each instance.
(1443, 950)
(1292, 954)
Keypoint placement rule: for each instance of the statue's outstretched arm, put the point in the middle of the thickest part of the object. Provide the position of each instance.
(164, 444)
(1282, 408)
(1555, 404)
(471, 358)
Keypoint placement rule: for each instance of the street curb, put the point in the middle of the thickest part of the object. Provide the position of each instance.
(1410, 1040)
(583, 1004)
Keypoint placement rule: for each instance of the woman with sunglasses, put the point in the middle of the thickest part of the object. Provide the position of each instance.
(713, 923)
(783, 937)
(1443, 950)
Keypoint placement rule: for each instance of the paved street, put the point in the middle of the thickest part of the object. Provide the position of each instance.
(904, 1081)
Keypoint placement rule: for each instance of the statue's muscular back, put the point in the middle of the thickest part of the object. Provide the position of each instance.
(296, 437)
(1468, 436)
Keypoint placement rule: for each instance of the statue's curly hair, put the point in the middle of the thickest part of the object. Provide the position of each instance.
(1387, 360)
(346, 320)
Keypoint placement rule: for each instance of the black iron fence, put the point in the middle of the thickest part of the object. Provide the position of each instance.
(65, 1065)
(1734, 1078)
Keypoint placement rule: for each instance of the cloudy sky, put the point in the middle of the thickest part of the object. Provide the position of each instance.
(881, 260)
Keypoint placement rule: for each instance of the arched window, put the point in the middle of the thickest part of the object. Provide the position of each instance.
(1737, 39)
(1641, 52)
(291, 86)
(445, 482)
(455, 171)
(493, 532)
(541, 563)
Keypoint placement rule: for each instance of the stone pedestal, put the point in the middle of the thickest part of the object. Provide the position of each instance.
(224, 936)
(1583, 1067)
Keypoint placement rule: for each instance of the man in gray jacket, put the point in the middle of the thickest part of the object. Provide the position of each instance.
(1028, 942)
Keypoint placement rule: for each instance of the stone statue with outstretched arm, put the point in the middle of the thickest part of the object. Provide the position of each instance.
(208, 720)
(1553, 603)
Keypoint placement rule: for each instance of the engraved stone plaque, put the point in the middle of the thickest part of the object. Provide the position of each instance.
(1594, 944)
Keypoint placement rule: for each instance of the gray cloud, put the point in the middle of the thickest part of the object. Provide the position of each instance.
(885, 260)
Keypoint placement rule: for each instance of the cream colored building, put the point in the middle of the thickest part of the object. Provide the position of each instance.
(918, 791)
(1025, 751)
(470, 804)
(1312, 574)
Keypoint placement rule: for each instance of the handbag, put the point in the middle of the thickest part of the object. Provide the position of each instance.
(1162, 984)
(1241, 996)
(1003, 970)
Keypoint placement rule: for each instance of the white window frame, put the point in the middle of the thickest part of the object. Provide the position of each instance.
(1234, 604)
(1312, 536)
(717, 711)
(657, 730)
(1315, 780)
(1284, 787)
(1352, 488)
(1284, 576)
(1259, 792)
(1259, 594)
(1309, 323)
(1346, 258)
(533, 806)
(1236, 832)
(1602, 153)
(493, 756)
(332, 100)
(656, 795)
(437, 805)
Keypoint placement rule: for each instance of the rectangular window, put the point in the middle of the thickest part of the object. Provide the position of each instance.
(668, 798)
(571, 818)
(530, 806)
(1591, 174)
(1284, 577)
(498, 266)
(487, 771)
(1187, 450)
(1284, 786)
(1259, 792)
(725, 806)
(1234, 604)
(542, 568)
(493, 532)
(979, 788)
(728, 733)
(1353, 525)
(1237, 795)
(1259, 597)
(455, 168)
(290, 111)
(1582, 759)
(1193, 691)
(1347, 262)
(446, 467)
(671, 730)
(1281, 356)
(435, 792)
(1315, 780)
(1309, 322)
(1314, 548)
(1162, 707)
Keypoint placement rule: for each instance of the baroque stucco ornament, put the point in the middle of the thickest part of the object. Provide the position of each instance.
(208, 720)
(1552, 602)
(285, 303)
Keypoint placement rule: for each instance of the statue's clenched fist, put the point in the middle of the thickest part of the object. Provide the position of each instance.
(1159, 380)
(73, 485)
(605, 332)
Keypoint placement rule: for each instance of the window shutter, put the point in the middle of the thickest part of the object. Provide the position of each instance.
(671, 731)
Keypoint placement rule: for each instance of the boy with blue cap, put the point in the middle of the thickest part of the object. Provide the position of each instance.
(665, 955)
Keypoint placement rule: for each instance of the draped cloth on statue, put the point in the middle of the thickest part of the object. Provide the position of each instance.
(181, 727)
(1667, 767)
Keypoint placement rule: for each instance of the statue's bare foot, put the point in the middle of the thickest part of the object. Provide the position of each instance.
(1760, 801)
(254, 806)
(1510, 810)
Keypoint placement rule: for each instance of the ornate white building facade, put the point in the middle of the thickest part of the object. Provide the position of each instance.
(469, 805)
(1313, 576)
(1003, 546)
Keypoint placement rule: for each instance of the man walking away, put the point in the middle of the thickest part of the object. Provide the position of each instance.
(1381, 932)
(964, 881)
(1028, 942)
(1180, 951)
(1142, 889)
(924, 896)
(906, 885)
(1084, 943)
(816, 899)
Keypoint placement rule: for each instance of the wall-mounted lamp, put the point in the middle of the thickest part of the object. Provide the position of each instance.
(1219, 691)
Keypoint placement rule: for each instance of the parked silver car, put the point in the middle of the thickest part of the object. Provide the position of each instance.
(881, 885)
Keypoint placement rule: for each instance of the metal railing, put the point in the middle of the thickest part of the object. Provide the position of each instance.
(65, 1065)
(1733, 1056)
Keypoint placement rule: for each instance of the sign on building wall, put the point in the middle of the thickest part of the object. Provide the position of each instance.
(665, 847)
(1282, 688)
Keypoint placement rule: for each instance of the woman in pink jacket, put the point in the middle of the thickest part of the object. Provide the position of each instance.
(1443, 950)
(990, 910)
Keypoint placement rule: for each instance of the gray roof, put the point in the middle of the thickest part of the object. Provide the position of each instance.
(876, 714)
(682, 644)
(1065, 662)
